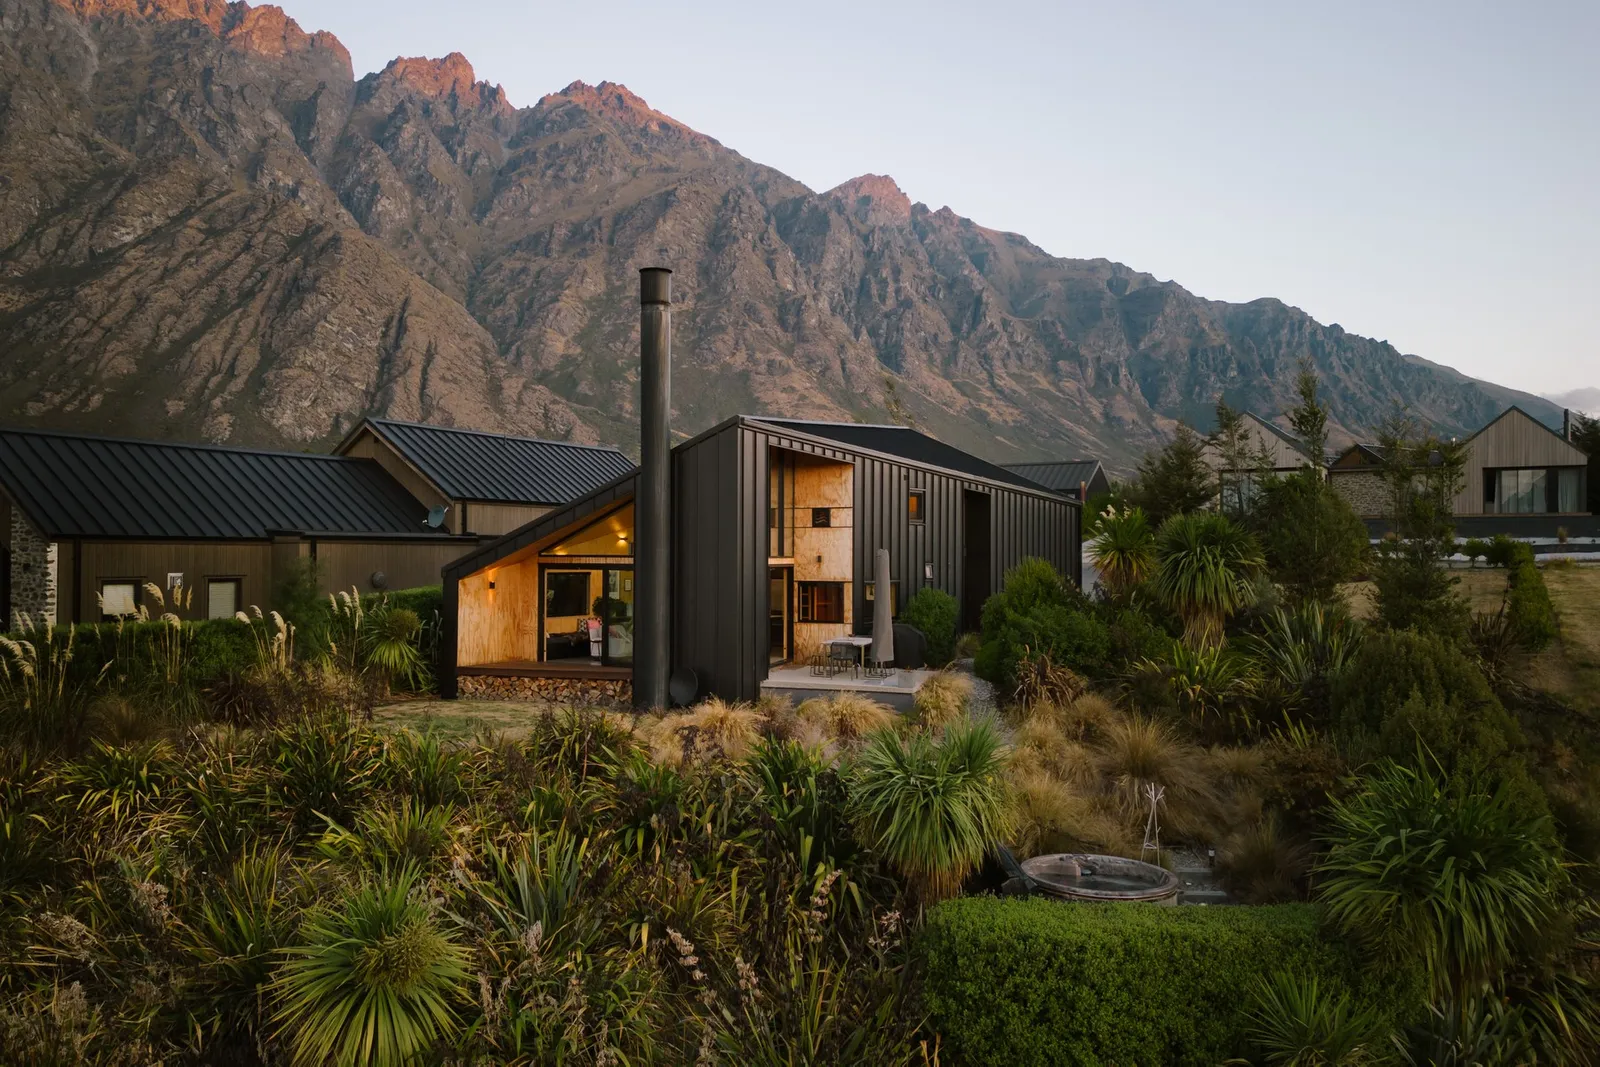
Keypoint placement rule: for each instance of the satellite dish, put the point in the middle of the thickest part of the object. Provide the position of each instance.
(436, 516)
(379, 579)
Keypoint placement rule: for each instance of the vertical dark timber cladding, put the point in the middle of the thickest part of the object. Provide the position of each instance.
(715, 537)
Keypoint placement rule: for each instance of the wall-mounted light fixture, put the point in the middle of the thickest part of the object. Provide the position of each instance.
(819, 559)
(491, 583)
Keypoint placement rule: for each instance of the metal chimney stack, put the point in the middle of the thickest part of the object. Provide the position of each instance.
(653, 503)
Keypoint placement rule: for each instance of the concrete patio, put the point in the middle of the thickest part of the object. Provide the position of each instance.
(798, 683)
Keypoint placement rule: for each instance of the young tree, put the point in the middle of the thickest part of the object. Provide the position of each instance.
(1423, 474)
(1124, 550)
(1243, 462)
(1309, 418)
(1174, 479)
(1313, 538)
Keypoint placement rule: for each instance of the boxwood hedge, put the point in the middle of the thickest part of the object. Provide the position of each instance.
(1034, 981)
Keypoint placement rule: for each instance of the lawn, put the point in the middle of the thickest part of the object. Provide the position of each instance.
(1570, 668)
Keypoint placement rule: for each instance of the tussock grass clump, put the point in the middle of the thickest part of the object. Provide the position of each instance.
(846, 717)
(1261, 864)
(713, 728)
(942, 699)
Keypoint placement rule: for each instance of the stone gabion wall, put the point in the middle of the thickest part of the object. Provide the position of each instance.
(33, 573)
(602, 692)
(1363, 489)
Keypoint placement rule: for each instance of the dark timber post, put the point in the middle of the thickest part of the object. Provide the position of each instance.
(652, 510)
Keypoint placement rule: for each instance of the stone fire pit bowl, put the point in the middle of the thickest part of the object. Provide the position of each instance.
(1101, 878)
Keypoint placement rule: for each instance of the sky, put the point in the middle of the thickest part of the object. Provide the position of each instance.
(1423, 173)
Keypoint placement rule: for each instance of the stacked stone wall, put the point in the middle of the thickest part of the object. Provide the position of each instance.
(33, 573)
(1365, 491)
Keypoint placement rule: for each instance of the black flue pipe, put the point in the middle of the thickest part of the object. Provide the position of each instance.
(653, 504)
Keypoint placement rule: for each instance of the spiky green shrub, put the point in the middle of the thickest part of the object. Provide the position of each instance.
(935, 613)
(373, 981)
(1449, 872)
(933, 807)
(1297, 1021)
(1205, 566)
(1124, 550)
(391, 647)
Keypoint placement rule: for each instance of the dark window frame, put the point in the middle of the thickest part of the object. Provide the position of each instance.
(869, 591)
(917, 507)
(821, 518)
(806, 602)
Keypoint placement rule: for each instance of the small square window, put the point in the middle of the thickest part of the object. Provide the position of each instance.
(118, 598)
(915, 504)
(222, 598)
(871, 591)
(821, 517)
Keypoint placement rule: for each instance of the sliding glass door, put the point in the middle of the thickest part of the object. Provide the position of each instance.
(587, 615)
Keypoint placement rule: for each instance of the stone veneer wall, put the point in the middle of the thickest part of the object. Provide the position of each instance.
(605, 692)
(33, 572)
(1364, 490)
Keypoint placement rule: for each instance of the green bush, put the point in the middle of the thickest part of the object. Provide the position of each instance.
(1503, 551)
(1020, 982)
(426, 600)
(1528, 607)
(935, 613)
(1038, 611)
(1404, 690)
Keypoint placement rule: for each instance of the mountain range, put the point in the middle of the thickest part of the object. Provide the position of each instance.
(210, 228)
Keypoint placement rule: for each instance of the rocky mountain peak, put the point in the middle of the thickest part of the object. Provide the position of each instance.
(873, 198)
(450, 79)
(264, 30)
(620, 104)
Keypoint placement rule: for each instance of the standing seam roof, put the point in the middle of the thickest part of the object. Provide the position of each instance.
(497, 468)
(908, 444)
(78, 486)
(1064, 476)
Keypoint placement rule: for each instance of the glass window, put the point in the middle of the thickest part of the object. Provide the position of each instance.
(870, 589)
(914, 505)
(1523, 492)
(610, 536)
(1568, 479)
(566, 594)
(119, 598)
(821, 517)
(617, 609)
(222, 598)
(820, 601)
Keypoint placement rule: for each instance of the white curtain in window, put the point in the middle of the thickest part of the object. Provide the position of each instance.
(116, 598)
(222, 599)
(1567, 490)
(1522, 492)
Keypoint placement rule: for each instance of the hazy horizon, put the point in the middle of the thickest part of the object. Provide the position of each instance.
(1423, 176)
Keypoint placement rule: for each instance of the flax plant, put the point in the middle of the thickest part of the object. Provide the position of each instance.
(1124, 549)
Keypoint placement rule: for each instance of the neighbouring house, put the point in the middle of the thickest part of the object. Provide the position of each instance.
(90, 521)
(775, 524)
(1079, 479)
(487, 483)
(1515, 466)
(1269, 451)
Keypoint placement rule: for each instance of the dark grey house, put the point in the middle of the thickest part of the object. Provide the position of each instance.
(1079, 479)
(775, 524)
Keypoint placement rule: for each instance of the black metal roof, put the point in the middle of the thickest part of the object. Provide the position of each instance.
(1065, 476)
(906, 443)
(500, 469)
(78, 486)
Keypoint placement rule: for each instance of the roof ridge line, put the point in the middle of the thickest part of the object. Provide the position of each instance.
(498, 436)
(197, 446)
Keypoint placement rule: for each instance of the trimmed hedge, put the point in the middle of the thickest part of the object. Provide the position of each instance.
(1021, 982)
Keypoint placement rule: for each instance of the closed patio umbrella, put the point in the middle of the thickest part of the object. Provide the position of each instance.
(882, 611)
